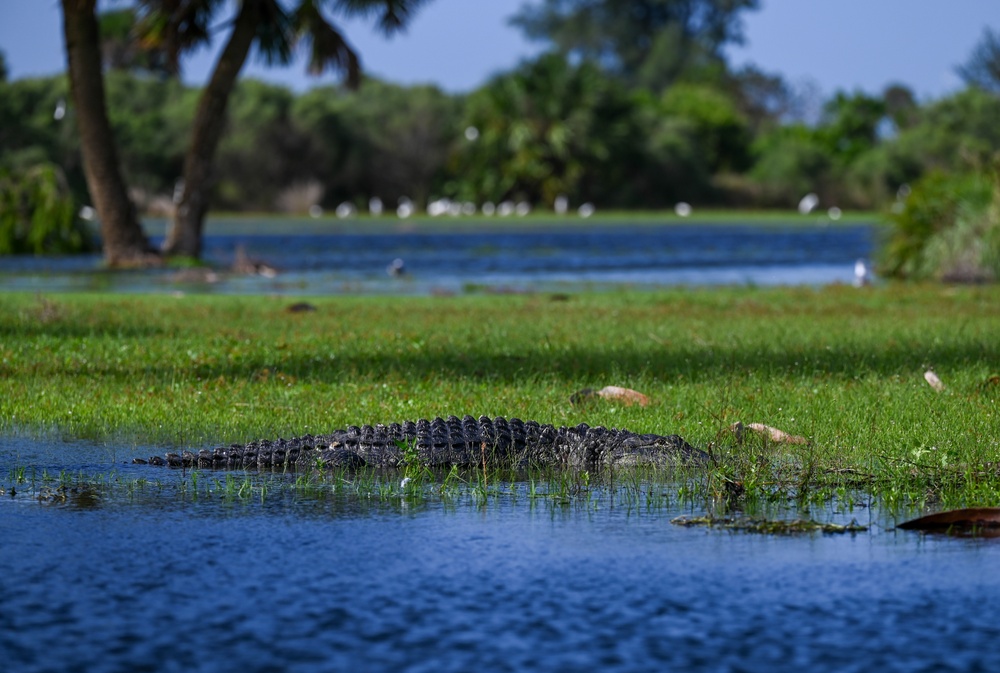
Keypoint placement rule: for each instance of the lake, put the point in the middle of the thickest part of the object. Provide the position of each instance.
(333, 258)
(166, 576)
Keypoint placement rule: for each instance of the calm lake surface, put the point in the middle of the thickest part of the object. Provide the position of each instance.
(156, 579)
(349, 259)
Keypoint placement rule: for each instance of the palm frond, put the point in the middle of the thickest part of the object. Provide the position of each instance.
(275, 33)
(173, 27)
(328, 49)
(392, 15)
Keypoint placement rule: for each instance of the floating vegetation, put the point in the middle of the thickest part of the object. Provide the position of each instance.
(769, 526)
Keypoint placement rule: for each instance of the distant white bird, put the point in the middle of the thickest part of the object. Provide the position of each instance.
(397, 268)
(683, 209)
(375, 205)
(405, 207)
(586, 210)
(862, 276)
(808, 202)
(834, 213)
(561, 204)
(438, 207)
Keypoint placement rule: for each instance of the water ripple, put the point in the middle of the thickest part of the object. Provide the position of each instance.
(296, 587)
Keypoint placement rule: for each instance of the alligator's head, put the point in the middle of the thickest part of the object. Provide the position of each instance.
(655, 450)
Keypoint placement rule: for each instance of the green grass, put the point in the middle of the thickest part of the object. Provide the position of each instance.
(840, 366)
(248, 224)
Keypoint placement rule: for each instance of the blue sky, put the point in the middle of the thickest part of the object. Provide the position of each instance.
(458, 44)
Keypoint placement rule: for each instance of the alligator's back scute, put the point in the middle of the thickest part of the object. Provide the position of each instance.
(442, 442)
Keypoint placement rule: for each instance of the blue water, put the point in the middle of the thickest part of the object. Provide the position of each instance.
(163, 578)
(161, 583)
(537, 258)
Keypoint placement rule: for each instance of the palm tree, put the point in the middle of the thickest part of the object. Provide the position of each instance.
(124, 243)
(276, 31)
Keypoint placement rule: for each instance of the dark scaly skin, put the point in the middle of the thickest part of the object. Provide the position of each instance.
(462, 442)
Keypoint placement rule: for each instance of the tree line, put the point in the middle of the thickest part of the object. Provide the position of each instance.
(634, 109)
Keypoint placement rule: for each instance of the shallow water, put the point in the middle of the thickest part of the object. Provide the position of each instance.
(155, 580)
(554, 258)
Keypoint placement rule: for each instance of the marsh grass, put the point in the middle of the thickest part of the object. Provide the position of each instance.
(555, 489)
(840, 366)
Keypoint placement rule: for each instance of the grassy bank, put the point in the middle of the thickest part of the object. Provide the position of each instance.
(249, 224)
(840, 366)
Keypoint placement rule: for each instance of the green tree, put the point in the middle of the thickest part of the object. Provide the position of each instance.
(264, 152)
(850, 125)
(547, 129)
(27, 123)
(38, 213)
(151, 119)
(407, 135)
(790, 162)
(720, 131)
(957, 134)
(764, 99)
(669, 166)
(647, 42)
(901, 106)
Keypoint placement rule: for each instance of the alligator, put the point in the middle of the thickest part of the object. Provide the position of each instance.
(452, 441)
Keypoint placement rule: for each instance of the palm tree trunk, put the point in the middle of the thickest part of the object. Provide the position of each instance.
(184, 237)
(123, 240)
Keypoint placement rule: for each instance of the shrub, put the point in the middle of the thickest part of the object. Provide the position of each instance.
(38, 215)
(948, 228)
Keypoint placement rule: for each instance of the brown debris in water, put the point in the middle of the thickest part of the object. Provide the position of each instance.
(769, 526)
